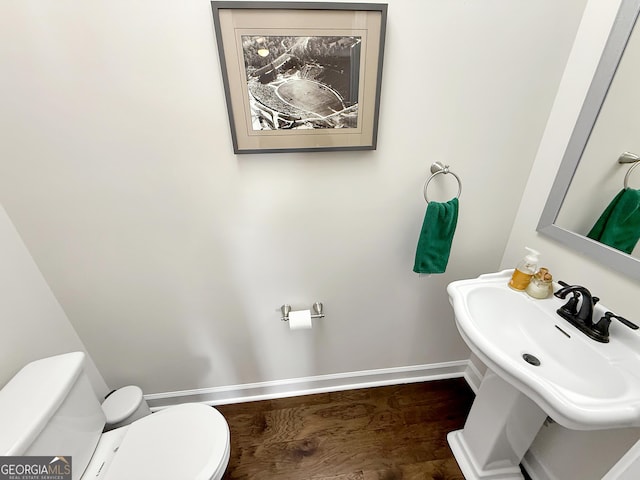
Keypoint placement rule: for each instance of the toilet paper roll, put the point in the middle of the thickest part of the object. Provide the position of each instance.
(300, 320)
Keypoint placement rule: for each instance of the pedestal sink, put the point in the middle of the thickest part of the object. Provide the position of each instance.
(540, 366)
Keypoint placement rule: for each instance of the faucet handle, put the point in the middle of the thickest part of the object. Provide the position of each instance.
(602, 327)
(622, 320)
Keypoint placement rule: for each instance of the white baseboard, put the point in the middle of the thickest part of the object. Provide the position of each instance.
(317, 384)
(534, 468)
(473, 376)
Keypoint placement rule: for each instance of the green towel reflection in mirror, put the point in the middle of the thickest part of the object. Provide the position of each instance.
(436, 236)
(619, 224)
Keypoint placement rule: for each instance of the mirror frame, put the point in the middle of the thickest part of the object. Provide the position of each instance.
(604, 74)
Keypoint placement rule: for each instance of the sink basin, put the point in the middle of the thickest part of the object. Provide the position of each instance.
(580, 383)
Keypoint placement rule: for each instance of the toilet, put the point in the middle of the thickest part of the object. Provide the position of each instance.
(49, 409)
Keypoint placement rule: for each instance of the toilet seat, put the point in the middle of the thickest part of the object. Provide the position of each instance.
(189, 441)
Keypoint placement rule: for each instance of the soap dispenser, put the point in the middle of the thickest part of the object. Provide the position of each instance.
(525, 270)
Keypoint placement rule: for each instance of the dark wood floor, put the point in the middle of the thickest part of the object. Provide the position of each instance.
(383, 433)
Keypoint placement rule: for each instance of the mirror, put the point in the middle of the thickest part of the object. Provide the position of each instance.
(580, 195)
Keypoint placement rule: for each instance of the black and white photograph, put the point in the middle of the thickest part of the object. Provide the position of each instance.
(302, 82)
(301, 76)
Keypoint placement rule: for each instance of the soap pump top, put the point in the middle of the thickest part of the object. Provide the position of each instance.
(529, 263)
(525, 270)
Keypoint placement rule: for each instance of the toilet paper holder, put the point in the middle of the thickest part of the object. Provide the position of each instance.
(317, 307)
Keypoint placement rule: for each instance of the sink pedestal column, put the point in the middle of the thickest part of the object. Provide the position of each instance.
(500, 428)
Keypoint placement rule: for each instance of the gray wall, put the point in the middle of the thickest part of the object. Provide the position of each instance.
(34, 325)
(171, 256)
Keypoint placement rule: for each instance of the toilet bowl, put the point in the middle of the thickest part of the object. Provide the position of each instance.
(49, 409)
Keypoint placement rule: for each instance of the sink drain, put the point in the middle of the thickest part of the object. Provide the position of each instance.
(531, 359)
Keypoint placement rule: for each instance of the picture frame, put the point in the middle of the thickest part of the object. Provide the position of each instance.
(301, 76)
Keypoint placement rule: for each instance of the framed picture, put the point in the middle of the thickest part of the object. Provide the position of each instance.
(301, 76)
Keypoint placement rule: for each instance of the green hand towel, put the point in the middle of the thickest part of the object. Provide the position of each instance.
(619, 224)
(436, 236)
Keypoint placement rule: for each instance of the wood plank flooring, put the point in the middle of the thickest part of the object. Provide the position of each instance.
(383, 433)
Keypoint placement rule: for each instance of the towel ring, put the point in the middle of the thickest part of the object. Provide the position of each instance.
(628, 157)
(626, 177)
(438, 168)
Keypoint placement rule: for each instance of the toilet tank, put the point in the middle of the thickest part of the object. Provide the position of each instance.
(49, 409)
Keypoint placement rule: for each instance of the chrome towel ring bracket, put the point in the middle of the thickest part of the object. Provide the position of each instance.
(628, 157)
(438, 168)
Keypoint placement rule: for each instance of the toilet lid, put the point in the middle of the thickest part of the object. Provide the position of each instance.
(189, 441)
